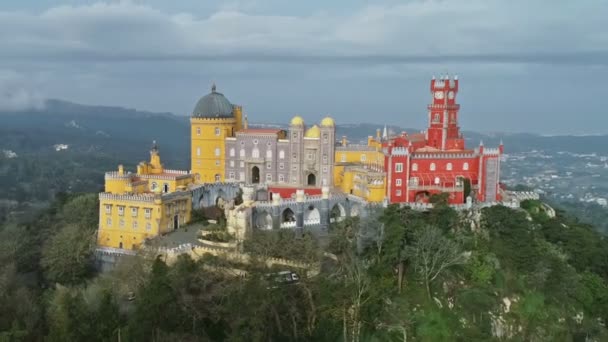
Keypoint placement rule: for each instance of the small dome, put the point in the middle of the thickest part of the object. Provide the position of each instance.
(327, 121)
(313, 132)
(297, 121)
(213, 105)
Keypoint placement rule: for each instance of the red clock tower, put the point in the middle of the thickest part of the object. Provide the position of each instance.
(443, 132)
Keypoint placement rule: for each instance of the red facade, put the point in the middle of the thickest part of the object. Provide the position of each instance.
(420, 165)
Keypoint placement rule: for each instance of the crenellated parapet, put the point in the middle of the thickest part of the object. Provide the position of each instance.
(128, 197)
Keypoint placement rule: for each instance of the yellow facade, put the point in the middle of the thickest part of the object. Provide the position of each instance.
(142, 205)
(208, 145)
(126, 221)
(359, 170)
(363, 181)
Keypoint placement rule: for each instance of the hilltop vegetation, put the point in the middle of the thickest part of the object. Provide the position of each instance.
(435, 276)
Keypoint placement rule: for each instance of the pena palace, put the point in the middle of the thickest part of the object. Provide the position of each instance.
(302, 159)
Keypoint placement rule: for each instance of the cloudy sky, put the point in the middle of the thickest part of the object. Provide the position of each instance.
(538, 66)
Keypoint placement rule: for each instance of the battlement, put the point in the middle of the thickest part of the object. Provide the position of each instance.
(115, 175)
(128, 197)
(355, 147)
(399, 151)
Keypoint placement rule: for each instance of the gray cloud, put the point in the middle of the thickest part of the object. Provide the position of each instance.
(414, 32)
(16, 94)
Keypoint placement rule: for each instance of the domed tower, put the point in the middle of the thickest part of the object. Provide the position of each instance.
(328, 145)
(213, 120)
(296, 149)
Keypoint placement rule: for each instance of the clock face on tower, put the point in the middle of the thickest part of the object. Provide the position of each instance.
(439, 95)
(451, 95)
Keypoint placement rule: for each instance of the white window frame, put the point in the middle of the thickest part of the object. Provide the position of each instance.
(398, 192)
(448, 166)
(364, 157)
(398, 182)
(232, 163)
(198, 131)
(121, 223)
(281, 154)
(148, 226)
(433, 167)
(415, 167)
(242, 153)
(343, 158)
(217, 131)
(268, 153)
(268, 166)
(232, 152)
(398, 167)
(147, 213)
(198, 151)
(218, 151)
(108, 208)
(255, 153)
(269, 177)
(135, 224)
(218, 178)
(134, 212)
(465, 166)
(231, 175)
(281, 178)
(242, 164)
(109, 222)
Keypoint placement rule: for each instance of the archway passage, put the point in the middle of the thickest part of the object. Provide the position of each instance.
(423, 197)
(311, 179)
(337, 213)
(264, 220)
(255, 175)
(288, 216)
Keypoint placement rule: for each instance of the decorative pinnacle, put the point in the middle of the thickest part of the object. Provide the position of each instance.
(213, 87)
(433, 77)
(154, 146)
(480, 142)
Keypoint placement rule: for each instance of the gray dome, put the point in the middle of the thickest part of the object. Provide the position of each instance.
(213, 105)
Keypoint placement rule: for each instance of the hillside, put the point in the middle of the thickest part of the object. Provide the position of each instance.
(491, 275)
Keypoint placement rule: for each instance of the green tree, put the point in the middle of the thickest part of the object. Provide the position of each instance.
(67, 257)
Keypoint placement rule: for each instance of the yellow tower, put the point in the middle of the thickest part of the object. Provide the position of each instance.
(213, 120)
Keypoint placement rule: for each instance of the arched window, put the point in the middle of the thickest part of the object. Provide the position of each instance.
(255, 153)
(268, 153)
(232, 152)
(433, 167)
(448, 167)
(242, 153)
(217, 177)
(465, 166)
(217, 151)
(198, 151)
(281, 154)
(198, 131)
(217, 131)
(437, 180)
(436, 117)
(414, 167)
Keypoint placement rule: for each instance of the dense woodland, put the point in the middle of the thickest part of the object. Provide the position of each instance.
(400, 275)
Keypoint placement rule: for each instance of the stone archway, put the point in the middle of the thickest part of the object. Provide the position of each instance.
(255, 175)
(337, 213)
(422, 197)
(312, 215)
(288, 216)
(311, 179)
(220, 197)
(263, 220)
(355, 210)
